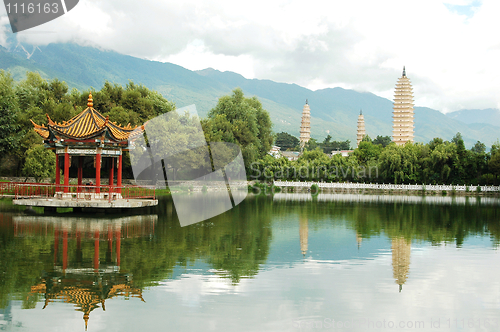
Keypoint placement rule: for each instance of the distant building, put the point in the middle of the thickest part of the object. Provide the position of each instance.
(305, 126)
(361, 128)
(402, 129)
(275, 151)
(290, 155)
(344, 153)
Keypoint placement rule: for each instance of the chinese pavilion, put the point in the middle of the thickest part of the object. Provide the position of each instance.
(88, 134)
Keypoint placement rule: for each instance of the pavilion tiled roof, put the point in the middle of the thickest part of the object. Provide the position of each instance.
(89, 123)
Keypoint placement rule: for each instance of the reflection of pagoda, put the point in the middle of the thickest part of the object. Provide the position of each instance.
(85, 281)
(359, 239)
(401, 249)
(304, 234)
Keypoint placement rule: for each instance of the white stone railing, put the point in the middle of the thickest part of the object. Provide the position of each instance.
(415, 199)
(346, 185)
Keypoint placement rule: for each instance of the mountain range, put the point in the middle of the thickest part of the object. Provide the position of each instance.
(334, 111)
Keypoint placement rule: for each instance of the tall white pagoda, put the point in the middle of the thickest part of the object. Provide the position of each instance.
(305, 126)
(402, 128)
(361, 128)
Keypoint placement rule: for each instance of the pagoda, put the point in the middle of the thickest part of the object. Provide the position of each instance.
(305, 126)
(87, 135)
(361, 128)
(402, 129)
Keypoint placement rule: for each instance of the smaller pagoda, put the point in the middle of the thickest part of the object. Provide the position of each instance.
(305, 126)
(361, 128)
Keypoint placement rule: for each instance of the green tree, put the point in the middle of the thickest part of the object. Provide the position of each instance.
(8, 110)
(367, 152)
(250, 125)
(479, 148)
(311, 145)
(494, 163)
(366, 138)
(286, 141)
(382, 140)
(40, 163)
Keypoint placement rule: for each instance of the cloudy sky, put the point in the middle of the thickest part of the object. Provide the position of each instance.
(451, 48)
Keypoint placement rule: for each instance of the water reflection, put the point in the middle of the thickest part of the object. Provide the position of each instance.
(78, 275)
(280, 261)
(401, 250)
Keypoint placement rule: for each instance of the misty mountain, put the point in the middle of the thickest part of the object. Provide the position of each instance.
(486, 116)
(334, 111)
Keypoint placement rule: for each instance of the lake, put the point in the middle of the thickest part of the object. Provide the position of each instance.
(291, 262)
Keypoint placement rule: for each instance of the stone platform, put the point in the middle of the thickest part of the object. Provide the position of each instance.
(86, 203)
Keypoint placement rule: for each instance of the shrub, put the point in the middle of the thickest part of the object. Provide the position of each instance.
(314, 189)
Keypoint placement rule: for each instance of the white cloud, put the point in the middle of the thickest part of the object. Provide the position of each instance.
(451, 58)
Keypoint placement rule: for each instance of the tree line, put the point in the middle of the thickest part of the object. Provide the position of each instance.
(235, 119)
(376, 161)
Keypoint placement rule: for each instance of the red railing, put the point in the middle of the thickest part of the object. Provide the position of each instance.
(78, 192)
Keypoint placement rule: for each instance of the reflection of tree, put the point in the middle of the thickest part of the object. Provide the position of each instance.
(429, 222)
(237, 247)
(401, 250)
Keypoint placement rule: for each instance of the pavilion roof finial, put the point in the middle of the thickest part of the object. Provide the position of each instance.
(360, 112)
(90, 102)
(404, 71)
(307, 103)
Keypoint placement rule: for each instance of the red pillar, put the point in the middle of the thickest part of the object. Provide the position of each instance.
(58, 173)
(66, 172)
(80, 173)
(111, 170)
(96, 250)
(119, 174)
(98, 172)
(65, 250)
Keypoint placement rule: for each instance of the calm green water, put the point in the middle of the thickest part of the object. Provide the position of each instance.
(292, 263)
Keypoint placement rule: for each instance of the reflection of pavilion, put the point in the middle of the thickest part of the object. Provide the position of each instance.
(85, 281)
(401, 250)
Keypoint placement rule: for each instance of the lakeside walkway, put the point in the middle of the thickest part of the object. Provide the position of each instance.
(378, 186)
